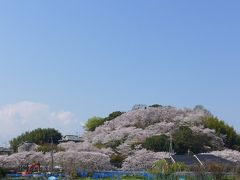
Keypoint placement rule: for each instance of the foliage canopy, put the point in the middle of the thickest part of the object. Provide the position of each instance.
(185, 140)
(156, 105)
(232, 139)
(113, 115)
(157, 143)
(94, 122)
(38, 136)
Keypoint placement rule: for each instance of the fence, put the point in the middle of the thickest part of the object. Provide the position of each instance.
(112, 175)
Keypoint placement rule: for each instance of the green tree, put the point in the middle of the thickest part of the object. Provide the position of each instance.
(221, 128)
(113, 115)
(238, 140)
(94, 122)
(184, 140)
(156, 105)
(157, 143)
(38, 136)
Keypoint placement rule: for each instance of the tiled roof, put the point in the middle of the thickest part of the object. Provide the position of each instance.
(186, 159)
(2, 149)
(208, 158)
(200, 159)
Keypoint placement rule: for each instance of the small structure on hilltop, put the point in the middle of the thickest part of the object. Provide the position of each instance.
(73, 138)
(139, 106)
(5, 151)
(27, 146)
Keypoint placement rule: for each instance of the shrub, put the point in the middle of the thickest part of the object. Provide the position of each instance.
(157, 143)
(216, 169)
(160, 167)
(178, 167)
(94, 122)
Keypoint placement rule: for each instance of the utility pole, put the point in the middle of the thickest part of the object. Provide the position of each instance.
(51, 154)
(170, 146)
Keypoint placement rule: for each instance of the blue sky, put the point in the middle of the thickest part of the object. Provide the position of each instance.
(93, 57)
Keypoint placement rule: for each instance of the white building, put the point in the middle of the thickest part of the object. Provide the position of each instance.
(73, 138)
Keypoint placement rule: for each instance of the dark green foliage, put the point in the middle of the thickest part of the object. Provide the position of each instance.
(38, 136)
(2, 173)
(157, 143)
(113, 115)
(199, 142)
(184, 140)
(93, 123)
(238, 140)
(117, 160)
(232, 138)
(156, 105)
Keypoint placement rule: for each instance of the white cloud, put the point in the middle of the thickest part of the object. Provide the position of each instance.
(64, 117)
(24, 116)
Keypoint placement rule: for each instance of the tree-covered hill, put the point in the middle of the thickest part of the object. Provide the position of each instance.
(138, 138)
(135, 126)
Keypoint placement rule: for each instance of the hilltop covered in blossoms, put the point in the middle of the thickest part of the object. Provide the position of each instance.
(138, 124)
(121, 142)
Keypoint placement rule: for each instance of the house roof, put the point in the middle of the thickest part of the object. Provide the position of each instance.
(71, 138)
(200, 159)
(209, 158)
(3, 149)
(186, 159)
(26, 143)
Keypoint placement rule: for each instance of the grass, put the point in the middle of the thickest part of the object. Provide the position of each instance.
(122, 178)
